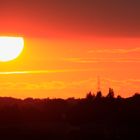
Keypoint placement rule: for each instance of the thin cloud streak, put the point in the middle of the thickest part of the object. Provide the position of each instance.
(115, 51)
(44, 71)
(47, 85)
(103, 60)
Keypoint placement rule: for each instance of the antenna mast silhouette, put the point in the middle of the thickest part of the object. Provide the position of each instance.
(98, 84)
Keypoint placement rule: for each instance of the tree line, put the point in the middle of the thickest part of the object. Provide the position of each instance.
(92, 117)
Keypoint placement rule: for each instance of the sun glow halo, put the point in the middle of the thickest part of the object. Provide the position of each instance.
(10, 48)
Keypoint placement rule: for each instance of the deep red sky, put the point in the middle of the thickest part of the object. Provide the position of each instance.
(76, 40)
(64, 18)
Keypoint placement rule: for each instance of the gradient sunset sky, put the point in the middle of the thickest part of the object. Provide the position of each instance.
(69, 44)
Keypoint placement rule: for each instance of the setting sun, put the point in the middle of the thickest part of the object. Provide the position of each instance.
(10, 48)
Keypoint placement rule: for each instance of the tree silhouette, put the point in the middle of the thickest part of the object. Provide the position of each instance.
(111, 93)
(90, 96)
(99, 95)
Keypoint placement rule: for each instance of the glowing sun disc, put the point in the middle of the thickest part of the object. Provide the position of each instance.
(10, 48)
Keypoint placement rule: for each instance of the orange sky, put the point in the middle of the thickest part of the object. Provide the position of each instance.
(68, 44)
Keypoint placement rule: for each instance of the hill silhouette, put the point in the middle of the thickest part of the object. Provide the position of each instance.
(93, 117)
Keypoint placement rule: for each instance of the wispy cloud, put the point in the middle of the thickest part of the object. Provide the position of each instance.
(103, 60)
(44, 71)
(115, 51)
(129, 83)
(47, 85)
(124, 87)
(89, 84)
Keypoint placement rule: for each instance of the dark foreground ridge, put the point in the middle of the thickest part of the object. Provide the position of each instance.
(93, 117)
